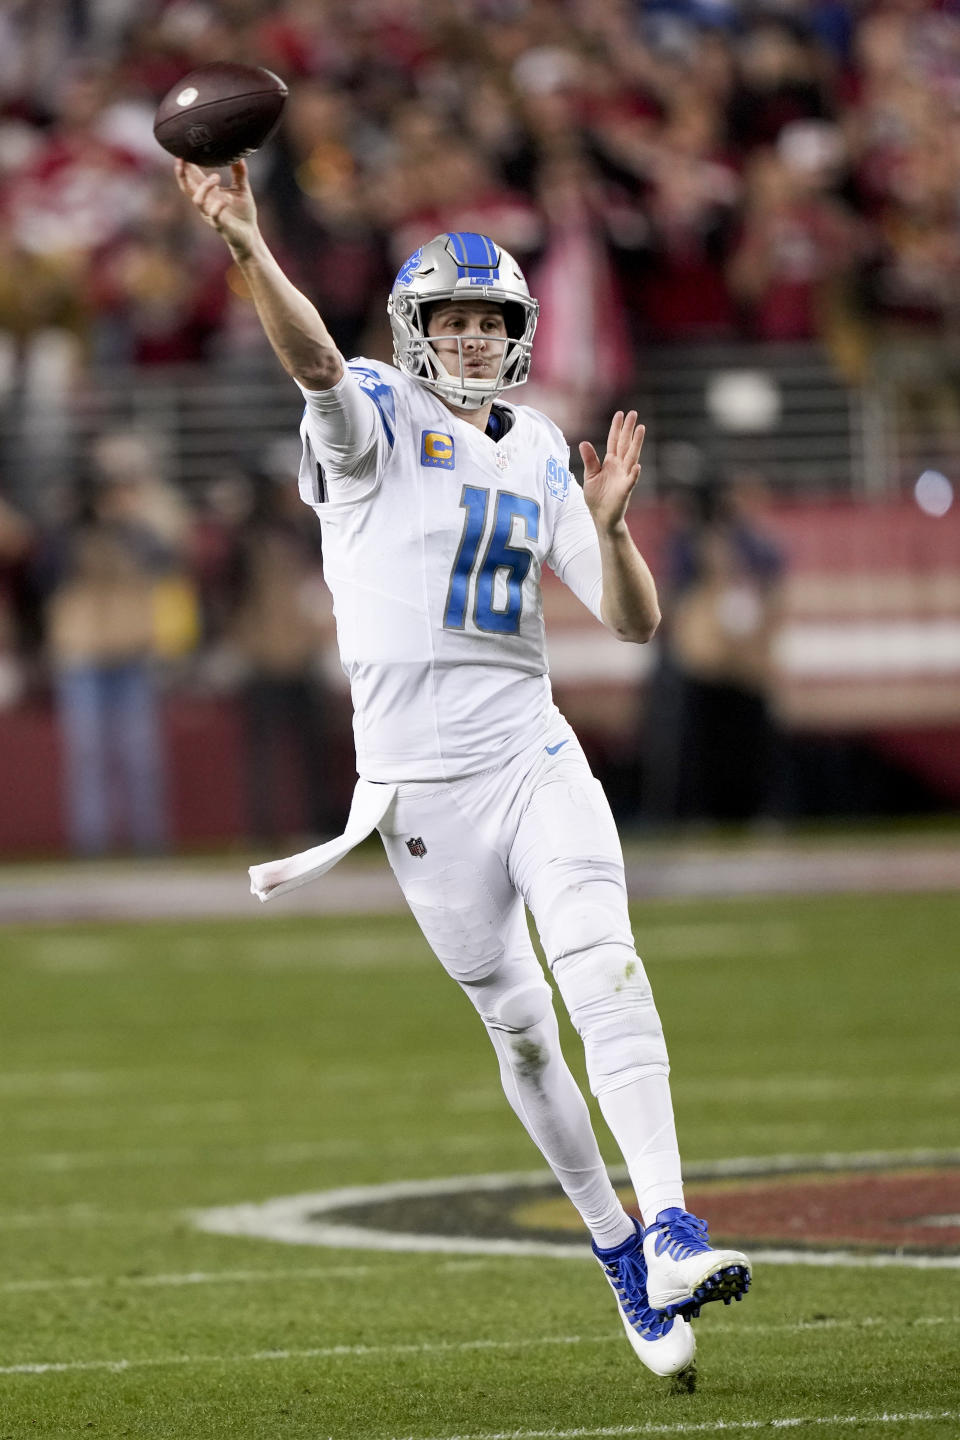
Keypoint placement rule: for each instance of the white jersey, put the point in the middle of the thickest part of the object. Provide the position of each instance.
(434, 538)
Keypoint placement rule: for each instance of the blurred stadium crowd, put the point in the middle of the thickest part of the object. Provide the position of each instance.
(666, 171)
(779, 169)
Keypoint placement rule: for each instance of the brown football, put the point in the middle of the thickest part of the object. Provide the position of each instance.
(219, 113)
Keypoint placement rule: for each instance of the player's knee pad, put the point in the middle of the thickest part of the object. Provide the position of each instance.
(525, 1055)
(580, 907)
(513, 1008)
(611, 1005)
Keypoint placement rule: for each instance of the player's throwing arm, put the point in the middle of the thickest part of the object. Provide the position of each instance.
(301, 341)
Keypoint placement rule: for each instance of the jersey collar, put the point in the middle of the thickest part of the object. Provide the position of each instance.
(499, 422)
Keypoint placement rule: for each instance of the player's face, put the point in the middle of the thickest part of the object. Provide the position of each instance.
(476, 328)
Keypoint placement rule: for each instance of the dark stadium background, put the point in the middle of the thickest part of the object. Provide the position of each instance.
(741, 218)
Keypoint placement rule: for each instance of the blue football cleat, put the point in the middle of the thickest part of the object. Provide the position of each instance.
(684, 1272)
(665, 1345)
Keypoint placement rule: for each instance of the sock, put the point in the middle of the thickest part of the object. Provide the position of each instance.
(640, 1117)
(545, 1097)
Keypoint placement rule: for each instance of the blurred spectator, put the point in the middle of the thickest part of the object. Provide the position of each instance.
(913, 289)
(157, 289)
(117, 603)
(38, 298)
(444, 183)
(41, 320)
(78, 190)
(797, 249)
(132, 461)
(223, 510)
(319, 201)
(277, 630)
(582, 355)
(903, 134)
(72, 193)
(690, 213)
(783, 75)
(709, 737)
(16, 545)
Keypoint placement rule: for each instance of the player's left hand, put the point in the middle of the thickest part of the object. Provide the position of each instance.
(609, 483)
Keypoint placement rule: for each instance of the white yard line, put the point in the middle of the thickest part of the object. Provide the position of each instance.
(817, 1089)
(189, 1277)
(61, 1111)
(705, 1427)
(37, 1084)
(285, 1153)
(324, 1352)
(438, 1347)
(74, 1217)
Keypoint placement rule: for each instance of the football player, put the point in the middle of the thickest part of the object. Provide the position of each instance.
(439, 505)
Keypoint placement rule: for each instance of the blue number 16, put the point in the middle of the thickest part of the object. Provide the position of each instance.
(499, 555)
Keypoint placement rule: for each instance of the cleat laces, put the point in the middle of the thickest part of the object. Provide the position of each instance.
(628, 1276)
(681, 1235)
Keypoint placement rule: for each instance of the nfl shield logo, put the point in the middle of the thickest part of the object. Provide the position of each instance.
(417, 847)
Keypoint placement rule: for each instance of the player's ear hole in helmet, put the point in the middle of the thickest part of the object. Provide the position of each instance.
(464, 266)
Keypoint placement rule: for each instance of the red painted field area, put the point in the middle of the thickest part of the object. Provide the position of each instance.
(915, 1210)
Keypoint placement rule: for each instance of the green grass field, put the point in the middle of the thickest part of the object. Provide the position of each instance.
(149, 1070)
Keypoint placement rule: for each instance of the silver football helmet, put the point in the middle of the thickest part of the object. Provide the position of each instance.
(461, 266)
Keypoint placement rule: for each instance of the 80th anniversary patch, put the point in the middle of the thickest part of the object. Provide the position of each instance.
(886, 1208)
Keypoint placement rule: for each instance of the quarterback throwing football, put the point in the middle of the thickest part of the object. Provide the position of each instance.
(439, 506)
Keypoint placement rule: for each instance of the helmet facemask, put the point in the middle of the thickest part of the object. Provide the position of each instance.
(441, 273)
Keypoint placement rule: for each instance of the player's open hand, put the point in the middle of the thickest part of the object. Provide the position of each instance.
(230, 210)
(609, 483)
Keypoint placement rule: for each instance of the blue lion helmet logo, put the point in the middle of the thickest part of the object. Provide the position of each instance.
(408, 269)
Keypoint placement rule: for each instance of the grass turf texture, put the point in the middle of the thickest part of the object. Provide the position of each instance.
(150, 1069)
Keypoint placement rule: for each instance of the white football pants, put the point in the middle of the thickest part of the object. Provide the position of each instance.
(468, 855)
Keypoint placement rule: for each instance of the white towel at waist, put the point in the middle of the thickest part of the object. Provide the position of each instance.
(275, 877)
